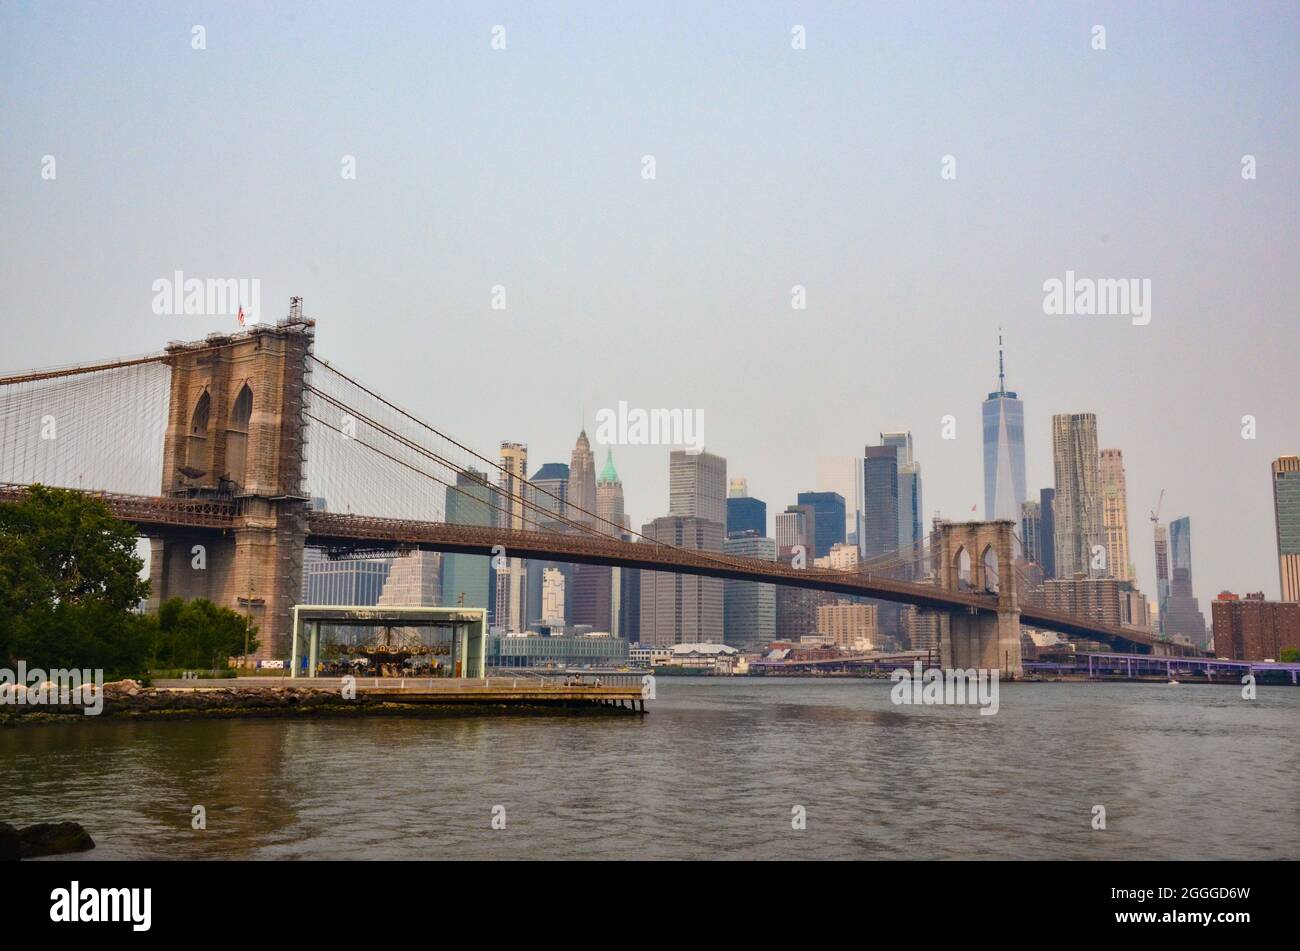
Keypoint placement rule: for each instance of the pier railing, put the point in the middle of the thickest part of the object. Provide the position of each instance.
(575, 677)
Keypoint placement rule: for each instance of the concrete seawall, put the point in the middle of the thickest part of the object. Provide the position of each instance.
(326, 697)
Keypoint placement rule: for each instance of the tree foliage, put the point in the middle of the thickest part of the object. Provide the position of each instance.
(69, 581)
(199, 634)
(69, 586)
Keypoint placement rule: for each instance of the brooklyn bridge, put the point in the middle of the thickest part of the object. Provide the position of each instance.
(219, 446)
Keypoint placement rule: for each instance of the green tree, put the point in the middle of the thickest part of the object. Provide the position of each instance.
(1289, 655)
(198, 634)
(69, 581)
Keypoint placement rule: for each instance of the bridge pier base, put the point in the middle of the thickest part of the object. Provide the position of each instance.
(255, 571)
(983, 641)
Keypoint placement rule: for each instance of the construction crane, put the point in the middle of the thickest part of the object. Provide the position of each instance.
(1162, 565)
(1155, 513)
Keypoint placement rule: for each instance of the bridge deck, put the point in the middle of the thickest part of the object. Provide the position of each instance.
(340, 531)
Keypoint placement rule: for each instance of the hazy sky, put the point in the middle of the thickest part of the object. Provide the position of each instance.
(774, 167)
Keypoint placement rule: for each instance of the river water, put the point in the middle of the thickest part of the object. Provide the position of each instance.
(714, 770)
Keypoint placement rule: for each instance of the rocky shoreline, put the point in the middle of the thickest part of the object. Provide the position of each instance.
(129, 700)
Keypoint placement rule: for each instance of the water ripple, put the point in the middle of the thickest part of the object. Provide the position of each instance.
(714, 771)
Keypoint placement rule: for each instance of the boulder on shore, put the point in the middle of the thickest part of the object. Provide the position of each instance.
(122, 688)
(10, 846)
(54, 838)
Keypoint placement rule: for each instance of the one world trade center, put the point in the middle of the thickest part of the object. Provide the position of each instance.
(1004, 451)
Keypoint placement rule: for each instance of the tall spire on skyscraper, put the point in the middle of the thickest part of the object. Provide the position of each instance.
(609, 473)
(1002, 377)
(609, 498)
(582, 481)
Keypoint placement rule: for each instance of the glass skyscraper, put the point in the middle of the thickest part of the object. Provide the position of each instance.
(911, 522)
(1182, 614)
(1180, 545)
(843, 474)
(1031, 531)
(746, 515)
(469, 503)
(549, 491)
(828, 519)
(1047, 545)
(879, 533)
(1004, 450)
(749, 608)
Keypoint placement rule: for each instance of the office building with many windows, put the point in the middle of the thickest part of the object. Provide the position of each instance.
(749, 608)
(1286, 511)
(1076, 509)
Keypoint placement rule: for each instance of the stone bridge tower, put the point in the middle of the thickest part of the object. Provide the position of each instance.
(235, 434)
(979, 557)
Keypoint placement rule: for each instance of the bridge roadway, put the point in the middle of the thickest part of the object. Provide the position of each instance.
(358, 532)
